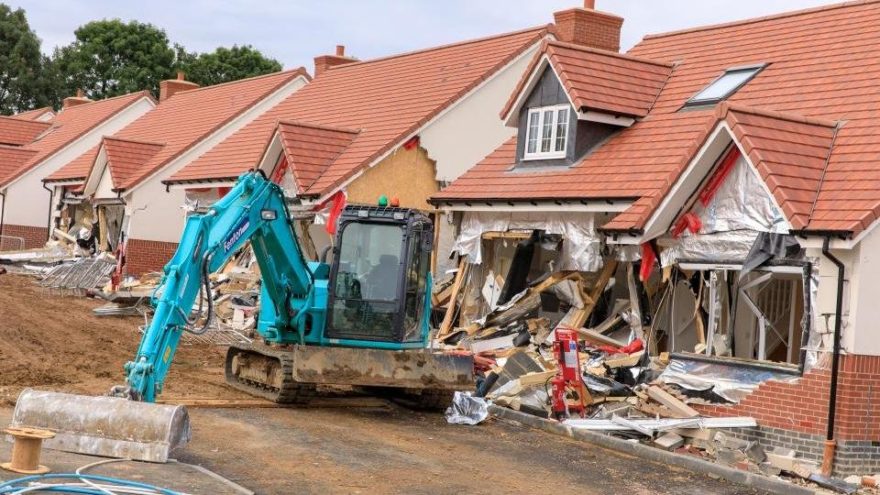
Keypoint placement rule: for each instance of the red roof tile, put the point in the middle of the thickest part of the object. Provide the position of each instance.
(181, 122)
(71, 124)
(34, 114)
(822, 65)
(310, 149)
(600, 80)
(12, 158)
(387, 99)
(19, 132)
(126, 158)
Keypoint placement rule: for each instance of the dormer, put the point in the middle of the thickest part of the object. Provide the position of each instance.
(573, 98)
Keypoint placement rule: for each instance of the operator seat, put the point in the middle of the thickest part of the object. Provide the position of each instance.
(383, 278)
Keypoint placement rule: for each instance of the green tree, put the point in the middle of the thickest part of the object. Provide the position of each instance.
(224, 64)
(23, 79)
(110, 58)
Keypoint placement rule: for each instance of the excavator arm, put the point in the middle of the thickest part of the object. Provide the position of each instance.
(254, 210)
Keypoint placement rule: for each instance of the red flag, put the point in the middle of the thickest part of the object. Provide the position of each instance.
(649, 257)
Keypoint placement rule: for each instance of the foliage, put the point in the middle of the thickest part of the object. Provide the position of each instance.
(225, 64)
(23, 70)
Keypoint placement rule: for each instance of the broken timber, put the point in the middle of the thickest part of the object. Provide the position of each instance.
(446, 326)
(678, 407)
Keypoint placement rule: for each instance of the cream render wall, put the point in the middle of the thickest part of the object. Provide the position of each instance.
(27, 202)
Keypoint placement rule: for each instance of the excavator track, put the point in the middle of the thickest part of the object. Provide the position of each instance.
(266, 372)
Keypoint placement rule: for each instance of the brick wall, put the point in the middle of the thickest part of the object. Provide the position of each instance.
(34, 237)
(589, 28)
(147, 256)
(795, 414)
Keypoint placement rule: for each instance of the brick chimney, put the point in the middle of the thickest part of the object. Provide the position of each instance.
(324, 62)
(72, 101)
(589, 27)
(171, 87)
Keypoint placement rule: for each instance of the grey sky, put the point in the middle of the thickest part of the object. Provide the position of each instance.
(294, 31)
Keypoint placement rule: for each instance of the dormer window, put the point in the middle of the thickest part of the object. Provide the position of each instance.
(547, 133)
(725, 85)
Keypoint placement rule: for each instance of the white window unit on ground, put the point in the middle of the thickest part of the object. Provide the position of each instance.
(547, 133)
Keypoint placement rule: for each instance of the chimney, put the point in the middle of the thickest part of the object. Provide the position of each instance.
(589, 27)
(324, 62)
(72, 101)
(171, 87)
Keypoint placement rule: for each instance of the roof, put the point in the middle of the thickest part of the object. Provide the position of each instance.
(600, 80)
(310, 149)
(69, 125)
(126, 158)
(387, 99)
(822, 70)
(178, 123)
(35, 114)
(12, 158)
(18, 132)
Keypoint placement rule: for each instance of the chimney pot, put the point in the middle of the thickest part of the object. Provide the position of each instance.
(590, 4)
(324, 62)
(79, 93)
(181, 76)
(340, 50)
(171, 87)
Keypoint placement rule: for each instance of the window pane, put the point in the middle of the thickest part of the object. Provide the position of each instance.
(533, 132)
(725, 85)
(561, 129)
(547, 132)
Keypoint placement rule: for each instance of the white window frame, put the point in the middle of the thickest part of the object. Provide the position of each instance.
(546, 155)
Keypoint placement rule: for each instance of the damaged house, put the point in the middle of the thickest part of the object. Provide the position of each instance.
(113, 195)
(38, 143)
(398, 126)
(712, 193)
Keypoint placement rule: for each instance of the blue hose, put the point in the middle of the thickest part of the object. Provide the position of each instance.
(17, 484)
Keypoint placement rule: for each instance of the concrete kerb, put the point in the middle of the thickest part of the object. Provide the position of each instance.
(652, 454)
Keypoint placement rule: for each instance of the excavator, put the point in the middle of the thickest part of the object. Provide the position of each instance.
(362, 320)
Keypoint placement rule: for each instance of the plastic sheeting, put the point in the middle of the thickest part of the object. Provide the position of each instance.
(467, 410)
(581, 249)
(740, 209)
(731, 382)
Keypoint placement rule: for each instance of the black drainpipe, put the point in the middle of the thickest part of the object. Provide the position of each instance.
(830, 444)
(49, 220)
(2, 211)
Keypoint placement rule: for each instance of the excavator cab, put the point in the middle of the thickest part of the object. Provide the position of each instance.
(380, 276)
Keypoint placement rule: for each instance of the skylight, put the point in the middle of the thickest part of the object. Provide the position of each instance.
(726, 85)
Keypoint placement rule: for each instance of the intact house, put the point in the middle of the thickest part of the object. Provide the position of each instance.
(398, 126)
(720, 187)
(38, 143)
(112, 195)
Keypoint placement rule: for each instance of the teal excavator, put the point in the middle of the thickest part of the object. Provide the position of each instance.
(361, 320)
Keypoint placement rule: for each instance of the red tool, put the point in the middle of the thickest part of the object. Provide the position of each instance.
(569, 394)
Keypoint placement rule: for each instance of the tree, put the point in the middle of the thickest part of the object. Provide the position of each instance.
(23, 81)
(110, 58)
(224, 64)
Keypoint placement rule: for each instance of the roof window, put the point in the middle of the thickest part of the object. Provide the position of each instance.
(725, 85)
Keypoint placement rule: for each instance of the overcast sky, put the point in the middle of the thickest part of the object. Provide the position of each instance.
(294, 31)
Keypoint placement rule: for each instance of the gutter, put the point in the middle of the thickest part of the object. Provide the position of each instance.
(830, 442)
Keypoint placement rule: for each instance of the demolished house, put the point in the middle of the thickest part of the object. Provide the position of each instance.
(112, 195)
(701, 211)
(38, 143)
(398, 126)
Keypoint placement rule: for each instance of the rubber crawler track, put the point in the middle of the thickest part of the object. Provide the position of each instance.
(290, 392)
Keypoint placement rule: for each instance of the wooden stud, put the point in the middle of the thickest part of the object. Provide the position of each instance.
(446, 326)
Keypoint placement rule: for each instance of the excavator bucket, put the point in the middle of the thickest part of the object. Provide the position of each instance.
(104, 426)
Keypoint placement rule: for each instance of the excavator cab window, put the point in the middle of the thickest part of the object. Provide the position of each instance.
(379, 280)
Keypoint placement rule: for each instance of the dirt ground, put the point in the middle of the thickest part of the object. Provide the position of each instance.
(56, 343)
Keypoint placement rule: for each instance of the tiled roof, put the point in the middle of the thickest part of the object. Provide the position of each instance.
(69, 125)
(19, 132)
(388, 99)
(310, 149)
(34, 114)
(822, 64)
(12, 158)
(601, 80)
(127, 158)
(181, 122)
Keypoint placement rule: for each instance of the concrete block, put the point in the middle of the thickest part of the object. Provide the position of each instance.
(728, 442)
(768, 469)
(755, 452)
(729, 457)
(783, 462)
(669, 441)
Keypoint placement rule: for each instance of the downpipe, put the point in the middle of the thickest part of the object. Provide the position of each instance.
(830, 442)
(48, 220)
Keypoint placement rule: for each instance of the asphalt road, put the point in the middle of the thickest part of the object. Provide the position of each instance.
(389, 449)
